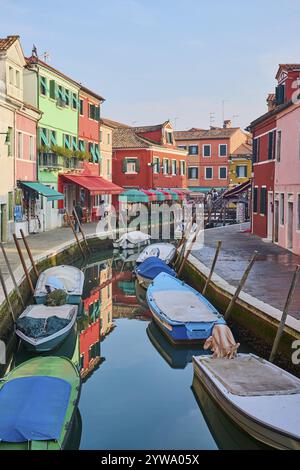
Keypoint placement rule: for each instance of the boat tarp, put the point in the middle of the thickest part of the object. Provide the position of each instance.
(248, 375)
(183, 306)
(153, 266)
(33, 408)
(38, 328)
(69, 277)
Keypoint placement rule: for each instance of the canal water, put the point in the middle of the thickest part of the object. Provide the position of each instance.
(138, 390)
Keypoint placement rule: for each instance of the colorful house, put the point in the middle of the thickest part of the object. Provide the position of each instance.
(208, 155)
(240, 165)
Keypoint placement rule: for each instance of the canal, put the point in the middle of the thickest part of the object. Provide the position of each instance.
(138, 390)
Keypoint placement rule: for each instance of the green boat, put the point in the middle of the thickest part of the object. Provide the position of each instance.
(38, 402)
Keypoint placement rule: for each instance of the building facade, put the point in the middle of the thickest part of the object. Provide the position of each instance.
(240, 165)
(209, 152)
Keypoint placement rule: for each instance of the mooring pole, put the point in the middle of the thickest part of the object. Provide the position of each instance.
(183, 243)
(219, 244)
(189, 250)
(29, 254)
(6, 295)
(82, 232)
(23, 263)
(284, 314)
(11, 273)
(240, 286)
(75, 234)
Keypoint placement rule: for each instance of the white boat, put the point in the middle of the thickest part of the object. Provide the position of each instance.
(164, 251)
(69, 278)
(132, 240)
(43, 328)
(258, 396)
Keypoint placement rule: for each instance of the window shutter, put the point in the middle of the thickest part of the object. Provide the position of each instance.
(52, 89)
(137, 165)
(254, 154)
(124, 165)
(270, 146)
(97, 113)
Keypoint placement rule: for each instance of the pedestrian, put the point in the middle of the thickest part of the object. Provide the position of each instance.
(77, 210)
(215, 194)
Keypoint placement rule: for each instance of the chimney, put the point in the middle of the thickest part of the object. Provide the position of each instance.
(227, 124)
(271, 101)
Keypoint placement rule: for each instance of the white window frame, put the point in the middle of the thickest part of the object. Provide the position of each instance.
(223, 156)
(168, 133)
(130, 172)
(156, 162)
(278, 145)
(255, 212)
(20, 144)
(172, 167)
(281, 209)
(206, 145)
(166, 168)
(222, 167)
(241, 166)
(31, 148)
(197, 177)
(193, 154)
(182, 166)
(212, 173)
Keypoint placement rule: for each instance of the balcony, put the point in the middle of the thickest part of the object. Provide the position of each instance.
(52, 161)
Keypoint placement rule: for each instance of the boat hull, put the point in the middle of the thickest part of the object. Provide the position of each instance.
(255, 428)
(46, 346)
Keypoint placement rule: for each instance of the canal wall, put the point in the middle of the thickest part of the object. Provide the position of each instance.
(252, 320)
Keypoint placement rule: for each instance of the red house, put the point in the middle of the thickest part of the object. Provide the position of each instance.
(147, 157)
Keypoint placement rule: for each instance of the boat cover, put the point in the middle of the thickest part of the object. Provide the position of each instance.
(248, 375)
(70, 277)
(33, 408)
(153, 266)
(41, 327)
(164, 251)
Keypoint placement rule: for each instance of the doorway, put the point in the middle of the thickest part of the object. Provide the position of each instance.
(290, 225)
(270, 215)
(276, 228)
(3, 222)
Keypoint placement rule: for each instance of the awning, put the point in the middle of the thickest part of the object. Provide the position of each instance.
(151, 194)
(44, 190)
(94, 184)
(168, 196)
(241, 188)
(181, 194)
(133, 195)
(203, 189)
(159, 195)
(174, 195)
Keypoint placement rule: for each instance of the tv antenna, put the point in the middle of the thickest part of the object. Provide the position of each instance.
(46, 56)
(211, 118)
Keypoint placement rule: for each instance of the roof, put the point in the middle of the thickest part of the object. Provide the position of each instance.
(127, 138)
(270, 114)
(92, 93)
(287, 68)
(244, 149)
(112, 124)
(197, 134)
(5, 43)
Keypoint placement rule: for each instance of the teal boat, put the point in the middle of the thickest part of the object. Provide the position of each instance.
(68, 278)
(38, 402)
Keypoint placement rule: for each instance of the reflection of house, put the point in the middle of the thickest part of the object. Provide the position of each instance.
(89, 348)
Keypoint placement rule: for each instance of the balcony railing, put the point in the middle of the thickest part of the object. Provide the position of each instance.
(52, 160)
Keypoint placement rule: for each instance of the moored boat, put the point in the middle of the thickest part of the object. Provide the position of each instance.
(38, 402)
(150, 268)
(258, 396)
(132, 240)
(182, 313)
(68, 278)
(163, 251)
(43, 328)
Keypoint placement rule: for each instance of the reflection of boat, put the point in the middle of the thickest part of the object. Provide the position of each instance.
(227, 435)
(132, 240)
(71, 279)
(150, 268)
(140, 293)
(176, 356)
(38, 402)
(163, 251)
(181, 312)
(43, 328)
(258, 396)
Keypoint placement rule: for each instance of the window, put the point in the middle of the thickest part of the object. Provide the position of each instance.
(81, 145)
(52, 135)
(97, 154)
(282, 208)
(182, 147)
(67, 141)
(278, 146)
(108, 139)
(52, 92)
(10, 205)
(101, 134)
(31, 148)
(97, 113)
(208, 173)
(241, 171)
(81, 107)
(74, 143)
(18, 84)
(222, 150)
(156, 164)
(222, 172)
(182, 167)
(74, 101)
(298, 220)
(255, 200)
(91, 150)
(20, 145)
(67, 97)
(43, 86)
(271, 145)
(131, 165)
(206, 150)
(256, 149)
(174, 167)
(263, 200)
(108, 167)
(193, 173)
(166, 166)
(169, 136)
(193, 150)
(91, 111)
(11, 75)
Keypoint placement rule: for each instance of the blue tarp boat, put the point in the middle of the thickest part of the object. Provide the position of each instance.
(182, 313)
(150, 268)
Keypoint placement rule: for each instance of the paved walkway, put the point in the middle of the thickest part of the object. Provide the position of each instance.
(271, 274)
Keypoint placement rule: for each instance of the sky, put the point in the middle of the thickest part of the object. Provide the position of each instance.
(155, 60)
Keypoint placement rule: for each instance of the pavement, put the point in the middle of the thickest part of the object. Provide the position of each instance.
(271, 275)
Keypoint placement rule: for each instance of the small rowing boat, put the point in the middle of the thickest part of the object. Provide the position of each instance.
(150, 268)
(163, 251)
(67, 278)
(132, 240)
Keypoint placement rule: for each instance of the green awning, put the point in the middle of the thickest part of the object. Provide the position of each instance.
(159, 196)
(44, 190)
(174, 195)
(203, 189)
(133, 195)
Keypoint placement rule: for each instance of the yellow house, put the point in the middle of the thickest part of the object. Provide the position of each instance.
(240, 165)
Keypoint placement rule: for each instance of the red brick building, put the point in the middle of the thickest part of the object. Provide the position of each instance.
(208, 155)
(147, 157)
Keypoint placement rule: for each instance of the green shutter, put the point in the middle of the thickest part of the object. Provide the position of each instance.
(137, 165)
(43, 136)
(124, 165)
(97, 152)
(97, 113)
(74, 101)
(75, 145)
(53, 140)
(52, 89)
(67, 141)
(81, 146)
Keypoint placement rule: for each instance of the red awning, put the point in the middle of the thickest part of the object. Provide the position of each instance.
(230, 193)
(151, 195)
(94, 184)
(180, 193)
(167, 195)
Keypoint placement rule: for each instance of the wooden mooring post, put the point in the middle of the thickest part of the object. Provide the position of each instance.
(12, 274)
(82, 231)
(284, 314)
(219, 244)
(189, 250)
(6, 295)
(75, 234)
(29, 254)
(240, 286)
(23, 264)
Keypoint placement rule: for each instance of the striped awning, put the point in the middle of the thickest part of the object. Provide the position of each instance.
(133, 195)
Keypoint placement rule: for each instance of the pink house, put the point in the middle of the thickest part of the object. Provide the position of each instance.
(287, 179)
(26, 156)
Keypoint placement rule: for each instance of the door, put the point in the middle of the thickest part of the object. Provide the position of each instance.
(3, 223)
(290, 225)
(276, 228)
(270, 215)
